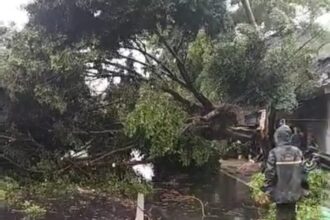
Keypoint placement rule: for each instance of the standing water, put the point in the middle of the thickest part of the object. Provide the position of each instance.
(221, 198)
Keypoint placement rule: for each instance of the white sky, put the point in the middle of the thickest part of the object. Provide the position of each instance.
(324, 20)
(11, 11)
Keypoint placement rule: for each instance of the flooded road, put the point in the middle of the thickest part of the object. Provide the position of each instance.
(220, 197)
(223, 198)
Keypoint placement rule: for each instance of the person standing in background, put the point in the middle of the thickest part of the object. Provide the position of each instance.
(285, 180)
(297, 139)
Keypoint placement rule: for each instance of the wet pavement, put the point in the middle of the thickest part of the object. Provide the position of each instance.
(223, 198)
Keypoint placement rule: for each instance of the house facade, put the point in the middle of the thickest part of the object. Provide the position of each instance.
(313, 115)
(313, 119)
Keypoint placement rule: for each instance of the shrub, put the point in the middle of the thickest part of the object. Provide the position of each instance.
(33, 211)
(308, 208)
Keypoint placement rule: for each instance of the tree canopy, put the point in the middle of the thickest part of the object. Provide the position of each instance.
(178, 72)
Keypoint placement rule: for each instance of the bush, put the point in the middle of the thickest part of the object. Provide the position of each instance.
(33, 211)
(8, 187)
(308, 208)
(2, 195)
(34, 198)
(258, 196)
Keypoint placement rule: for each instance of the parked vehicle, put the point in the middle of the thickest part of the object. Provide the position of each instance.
(311, 158)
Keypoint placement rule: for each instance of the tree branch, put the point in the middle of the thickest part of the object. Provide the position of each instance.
(18, 165)
(306, 43)
(249, 13)
(224, 108)
(120, 66)
(182, 70)
(111, 153)
(166, 70)
(145, 53)
(191, 107)
(111, 73)
(96, 132)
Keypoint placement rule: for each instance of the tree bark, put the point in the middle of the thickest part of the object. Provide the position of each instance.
(188, 105)
(249, 13)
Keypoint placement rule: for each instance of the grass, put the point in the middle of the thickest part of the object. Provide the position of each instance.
(33, 211)
(2, 194)
(34, 198)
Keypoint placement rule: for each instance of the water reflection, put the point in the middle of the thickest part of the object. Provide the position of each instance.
(223, 197)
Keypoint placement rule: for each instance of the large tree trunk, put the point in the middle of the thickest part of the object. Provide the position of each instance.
(267, 142)
(271, 125)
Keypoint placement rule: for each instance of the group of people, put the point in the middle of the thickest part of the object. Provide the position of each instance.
(286, 179)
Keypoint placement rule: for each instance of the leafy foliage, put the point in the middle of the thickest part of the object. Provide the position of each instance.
(196, 150)
(157, 119)
(33, 211)
(197, 59)
(37, 198)
(256, 183)
(87, 19)
(308, 208)
(243, 68)
(52, 109)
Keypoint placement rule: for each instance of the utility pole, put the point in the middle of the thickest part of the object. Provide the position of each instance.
(249, 13)
(140, 207)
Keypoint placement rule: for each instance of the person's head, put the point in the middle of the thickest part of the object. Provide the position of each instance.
(281, 122)
(296, 130)
(283, 136)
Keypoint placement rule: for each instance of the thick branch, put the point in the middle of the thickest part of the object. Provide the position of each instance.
(120, 66)
(183, 72)
(134, 60)
(96, 132)
(145, 53)
(18, 165)
(129, 147)
(241, 133)
(191, 107)
(306, 43)
(164, 69)
(224, 108)
(249, 13)
(110, 73)
(10, 139)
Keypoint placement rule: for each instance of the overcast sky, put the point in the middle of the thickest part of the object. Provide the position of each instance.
(11, 11)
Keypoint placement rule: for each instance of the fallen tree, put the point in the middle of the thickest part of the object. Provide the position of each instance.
(181, 74)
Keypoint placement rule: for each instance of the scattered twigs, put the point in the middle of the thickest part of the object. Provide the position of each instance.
(111, 153)
(177, 197)
(99, 160)
(200, 202)
(77, 167)
(18, 165)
